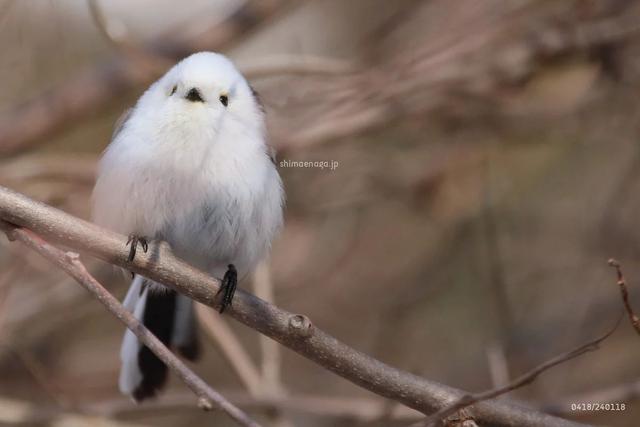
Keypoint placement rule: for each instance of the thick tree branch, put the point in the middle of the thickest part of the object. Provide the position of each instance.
(292, 330)
(70, 263)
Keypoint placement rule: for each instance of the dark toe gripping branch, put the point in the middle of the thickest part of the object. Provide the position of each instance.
(133, 241)
(228, 287)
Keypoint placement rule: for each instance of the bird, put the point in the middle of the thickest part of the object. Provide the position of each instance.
(188, 165)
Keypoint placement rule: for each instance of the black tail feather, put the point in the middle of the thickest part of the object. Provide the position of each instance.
(159, 317)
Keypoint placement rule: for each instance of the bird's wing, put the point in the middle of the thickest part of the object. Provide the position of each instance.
(122, 120)
(271, 151)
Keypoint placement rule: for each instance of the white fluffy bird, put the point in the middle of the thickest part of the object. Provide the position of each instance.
(188, 165)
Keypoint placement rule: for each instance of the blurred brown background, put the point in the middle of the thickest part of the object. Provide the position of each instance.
(488, 168)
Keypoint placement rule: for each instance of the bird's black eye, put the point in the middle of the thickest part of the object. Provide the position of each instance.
(173, 90)
(224, 99)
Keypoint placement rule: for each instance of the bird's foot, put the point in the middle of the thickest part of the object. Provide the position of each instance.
(228, 287)
(133, 242)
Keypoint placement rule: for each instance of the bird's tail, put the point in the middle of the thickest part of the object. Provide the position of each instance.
(170, 317)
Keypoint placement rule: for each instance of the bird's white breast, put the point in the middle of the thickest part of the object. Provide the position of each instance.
(209, 190)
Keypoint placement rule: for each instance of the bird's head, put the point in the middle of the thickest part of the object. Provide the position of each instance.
(204, 89)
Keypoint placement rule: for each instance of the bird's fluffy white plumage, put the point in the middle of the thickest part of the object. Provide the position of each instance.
(195, 174)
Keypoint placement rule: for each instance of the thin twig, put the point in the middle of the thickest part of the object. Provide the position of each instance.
(498, 367)
(270, 350)
(622, 283)
(521, 381)
(271, 357)
(230, 348)
(292, 330)
(496, 353)
(70, 263)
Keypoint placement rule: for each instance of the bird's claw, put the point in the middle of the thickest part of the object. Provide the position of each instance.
(133, 241)
(228, 287)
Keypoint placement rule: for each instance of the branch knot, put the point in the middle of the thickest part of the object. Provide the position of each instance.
(300, 325)
(205, 404)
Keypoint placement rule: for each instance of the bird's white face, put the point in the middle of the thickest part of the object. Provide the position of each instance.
(204, 91)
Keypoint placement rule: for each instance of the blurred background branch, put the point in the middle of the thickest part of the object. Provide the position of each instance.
(89, 91)
(488, 159)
